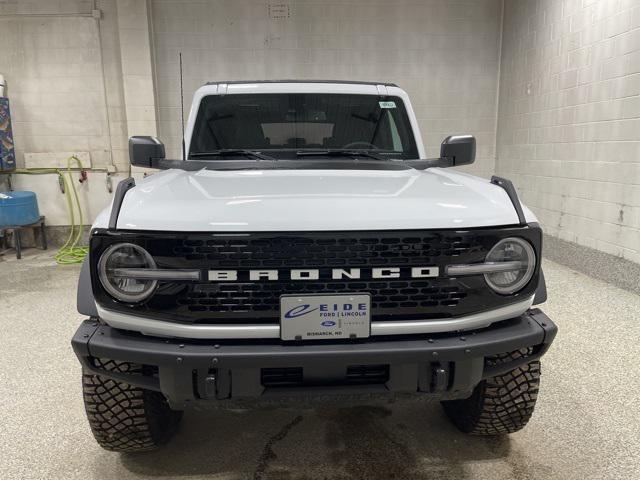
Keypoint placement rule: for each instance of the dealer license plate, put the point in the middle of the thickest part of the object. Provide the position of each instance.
(325, 317)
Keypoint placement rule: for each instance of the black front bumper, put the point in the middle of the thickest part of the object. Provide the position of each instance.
(449, 365)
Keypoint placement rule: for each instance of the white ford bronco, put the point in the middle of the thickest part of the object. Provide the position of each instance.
(305, 248)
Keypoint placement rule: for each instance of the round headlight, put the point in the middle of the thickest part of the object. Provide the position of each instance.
(116, 282)
(521, 253)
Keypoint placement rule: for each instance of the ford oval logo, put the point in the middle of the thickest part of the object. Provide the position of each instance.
(328, 323)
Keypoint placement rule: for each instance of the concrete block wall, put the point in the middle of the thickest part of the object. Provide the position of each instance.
(109, 28)
(67, 84)
(137, 67)
(569, 118)
(444, 53)
(54, 76)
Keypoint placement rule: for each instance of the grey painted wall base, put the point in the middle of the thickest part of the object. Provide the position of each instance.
(603, 266)
(56, 237)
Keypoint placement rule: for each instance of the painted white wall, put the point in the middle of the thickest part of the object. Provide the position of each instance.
(445, 54)
(569, 118)
(54, 81)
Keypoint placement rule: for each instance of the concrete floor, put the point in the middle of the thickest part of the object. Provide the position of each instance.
(586, 425)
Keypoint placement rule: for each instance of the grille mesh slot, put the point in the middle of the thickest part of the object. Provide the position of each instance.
(282, 252)
(353, 375)
(265, 297)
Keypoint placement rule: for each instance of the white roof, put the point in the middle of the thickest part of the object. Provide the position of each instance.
(297, 86)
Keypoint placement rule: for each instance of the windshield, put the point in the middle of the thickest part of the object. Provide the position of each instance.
(284, 124)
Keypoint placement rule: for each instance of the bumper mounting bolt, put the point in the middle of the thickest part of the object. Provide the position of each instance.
(181, 345)
(179, 360)
(467, 350)
(431, 340)
(216, 346)
(463, 339)
(435, 354)
(214, 361)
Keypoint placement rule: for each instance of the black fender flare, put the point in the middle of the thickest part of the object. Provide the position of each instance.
(541, 291)
(85, 302)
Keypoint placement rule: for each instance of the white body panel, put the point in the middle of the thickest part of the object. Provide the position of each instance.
(314, 200)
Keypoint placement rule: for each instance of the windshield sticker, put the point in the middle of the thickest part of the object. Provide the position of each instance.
(387, 104)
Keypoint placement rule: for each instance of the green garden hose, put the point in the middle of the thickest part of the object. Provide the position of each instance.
(71, 252)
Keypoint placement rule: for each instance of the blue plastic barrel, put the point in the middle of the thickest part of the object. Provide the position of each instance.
(18, 208)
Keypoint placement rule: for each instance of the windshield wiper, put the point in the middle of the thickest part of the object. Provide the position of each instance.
(341, 153)
(231, 151)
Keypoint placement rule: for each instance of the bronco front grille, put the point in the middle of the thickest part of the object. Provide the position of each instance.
(244, 301)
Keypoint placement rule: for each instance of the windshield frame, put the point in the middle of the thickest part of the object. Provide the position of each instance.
(403, 113)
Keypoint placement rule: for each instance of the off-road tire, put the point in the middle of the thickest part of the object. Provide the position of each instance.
(498, 405)
(124, 418)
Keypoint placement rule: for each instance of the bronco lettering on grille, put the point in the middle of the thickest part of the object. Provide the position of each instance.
(315, 274)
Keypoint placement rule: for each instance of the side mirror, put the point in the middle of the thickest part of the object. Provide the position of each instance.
(145, 151)
(459, 149)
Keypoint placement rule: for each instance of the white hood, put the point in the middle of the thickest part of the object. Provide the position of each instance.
(314, 200)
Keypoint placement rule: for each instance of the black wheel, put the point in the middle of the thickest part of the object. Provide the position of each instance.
(125, 418)
(501, 404)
